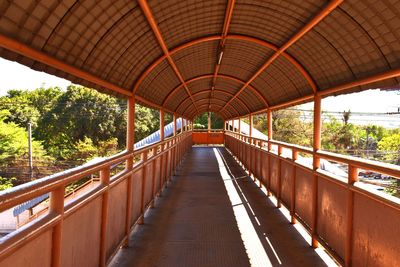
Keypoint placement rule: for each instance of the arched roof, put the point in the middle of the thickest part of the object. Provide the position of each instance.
(232, 57)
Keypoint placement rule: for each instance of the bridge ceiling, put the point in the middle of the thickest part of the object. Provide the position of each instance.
(224, 49)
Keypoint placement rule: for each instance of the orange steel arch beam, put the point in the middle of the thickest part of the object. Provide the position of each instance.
(225, 29)
(204, 108)
(213, 104)
(206, 76)
(154, 26)
(22, 49)
(206, 91)
(265, 44)
(39, 56)
(227, 114)
(309, 26)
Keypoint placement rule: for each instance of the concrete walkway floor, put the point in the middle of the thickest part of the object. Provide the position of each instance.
(206, 218)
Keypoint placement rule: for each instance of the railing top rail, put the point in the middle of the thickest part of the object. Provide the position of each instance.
(385, 168)
(381, 167)
(46, 184)
(206, 130)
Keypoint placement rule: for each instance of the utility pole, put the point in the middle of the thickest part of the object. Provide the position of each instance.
(30, 150)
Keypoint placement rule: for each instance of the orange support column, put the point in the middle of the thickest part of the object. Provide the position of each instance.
(57, 208)
(144, 176)
(353, 177)
(293, 193)
(130, 143)
(251, 125)
(175, 127)
(279, 193)
(209, 122)
(269, 121)
(316, 164)
(162, 148)
(105, 181)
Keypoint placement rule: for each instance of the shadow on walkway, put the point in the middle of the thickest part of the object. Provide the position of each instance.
(200, 221)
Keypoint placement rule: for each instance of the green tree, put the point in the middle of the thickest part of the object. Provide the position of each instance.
(287, 126)
(78, 113)
(6, 183)
(390, 147)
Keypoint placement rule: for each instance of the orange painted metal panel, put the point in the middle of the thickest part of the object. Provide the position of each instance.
(37, 251)
(136, 195)
(205, 138)
(287, 182)
(158, 175)
(376, 233)
(332, 215)
(274, 174)
(200, 138)
(116, 216)
(265, 167)
(81, 230)
(216, 138)
(303, 194)
(148, 184)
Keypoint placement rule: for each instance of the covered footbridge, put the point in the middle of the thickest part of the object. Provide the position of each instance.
(234, 58)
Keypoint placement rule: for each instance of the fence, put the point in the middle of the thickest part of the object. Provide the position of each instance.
(89, 230)
(358, 226)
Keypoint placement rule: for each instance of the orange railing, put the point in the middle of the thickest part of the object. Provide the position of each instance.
(355, 224)
(89, 230)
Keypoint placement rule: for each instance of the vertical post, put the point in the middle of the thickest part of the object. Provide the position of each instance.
(30, 150)
(233, 125)
(182, 125)
(293, 194)
(269, 121)
(105, 181)
(251, 125)
(175, 126)
(209, 122)
(269, 128)
(153, 182)
(163, 171)
(239, 127)
(57, 208)
(130, 142)
(352, 178)
(144, 176)
(162, 122)
(316, 164)
(279, 193)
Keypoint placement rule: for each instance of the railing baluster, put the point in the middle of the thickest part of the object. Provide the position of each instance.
(353, 177)
(105, 181)
(279, 177)
(142, 204)
(129, 166)
(293, 194)
(153, 186)
(57, 208)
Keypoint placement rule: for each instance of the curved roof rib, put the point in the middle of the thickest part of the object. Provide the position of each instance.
(265, 54)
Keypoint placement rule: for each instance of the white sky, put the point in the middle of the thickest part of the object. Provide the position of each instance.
(17, 76)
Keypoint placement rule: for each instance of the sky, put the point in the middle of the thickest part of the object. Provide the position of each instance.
(17, 76)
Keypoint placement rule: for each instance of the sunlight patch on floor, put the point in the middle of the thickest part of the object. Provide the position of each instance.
(303, 232)
(251, 241)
